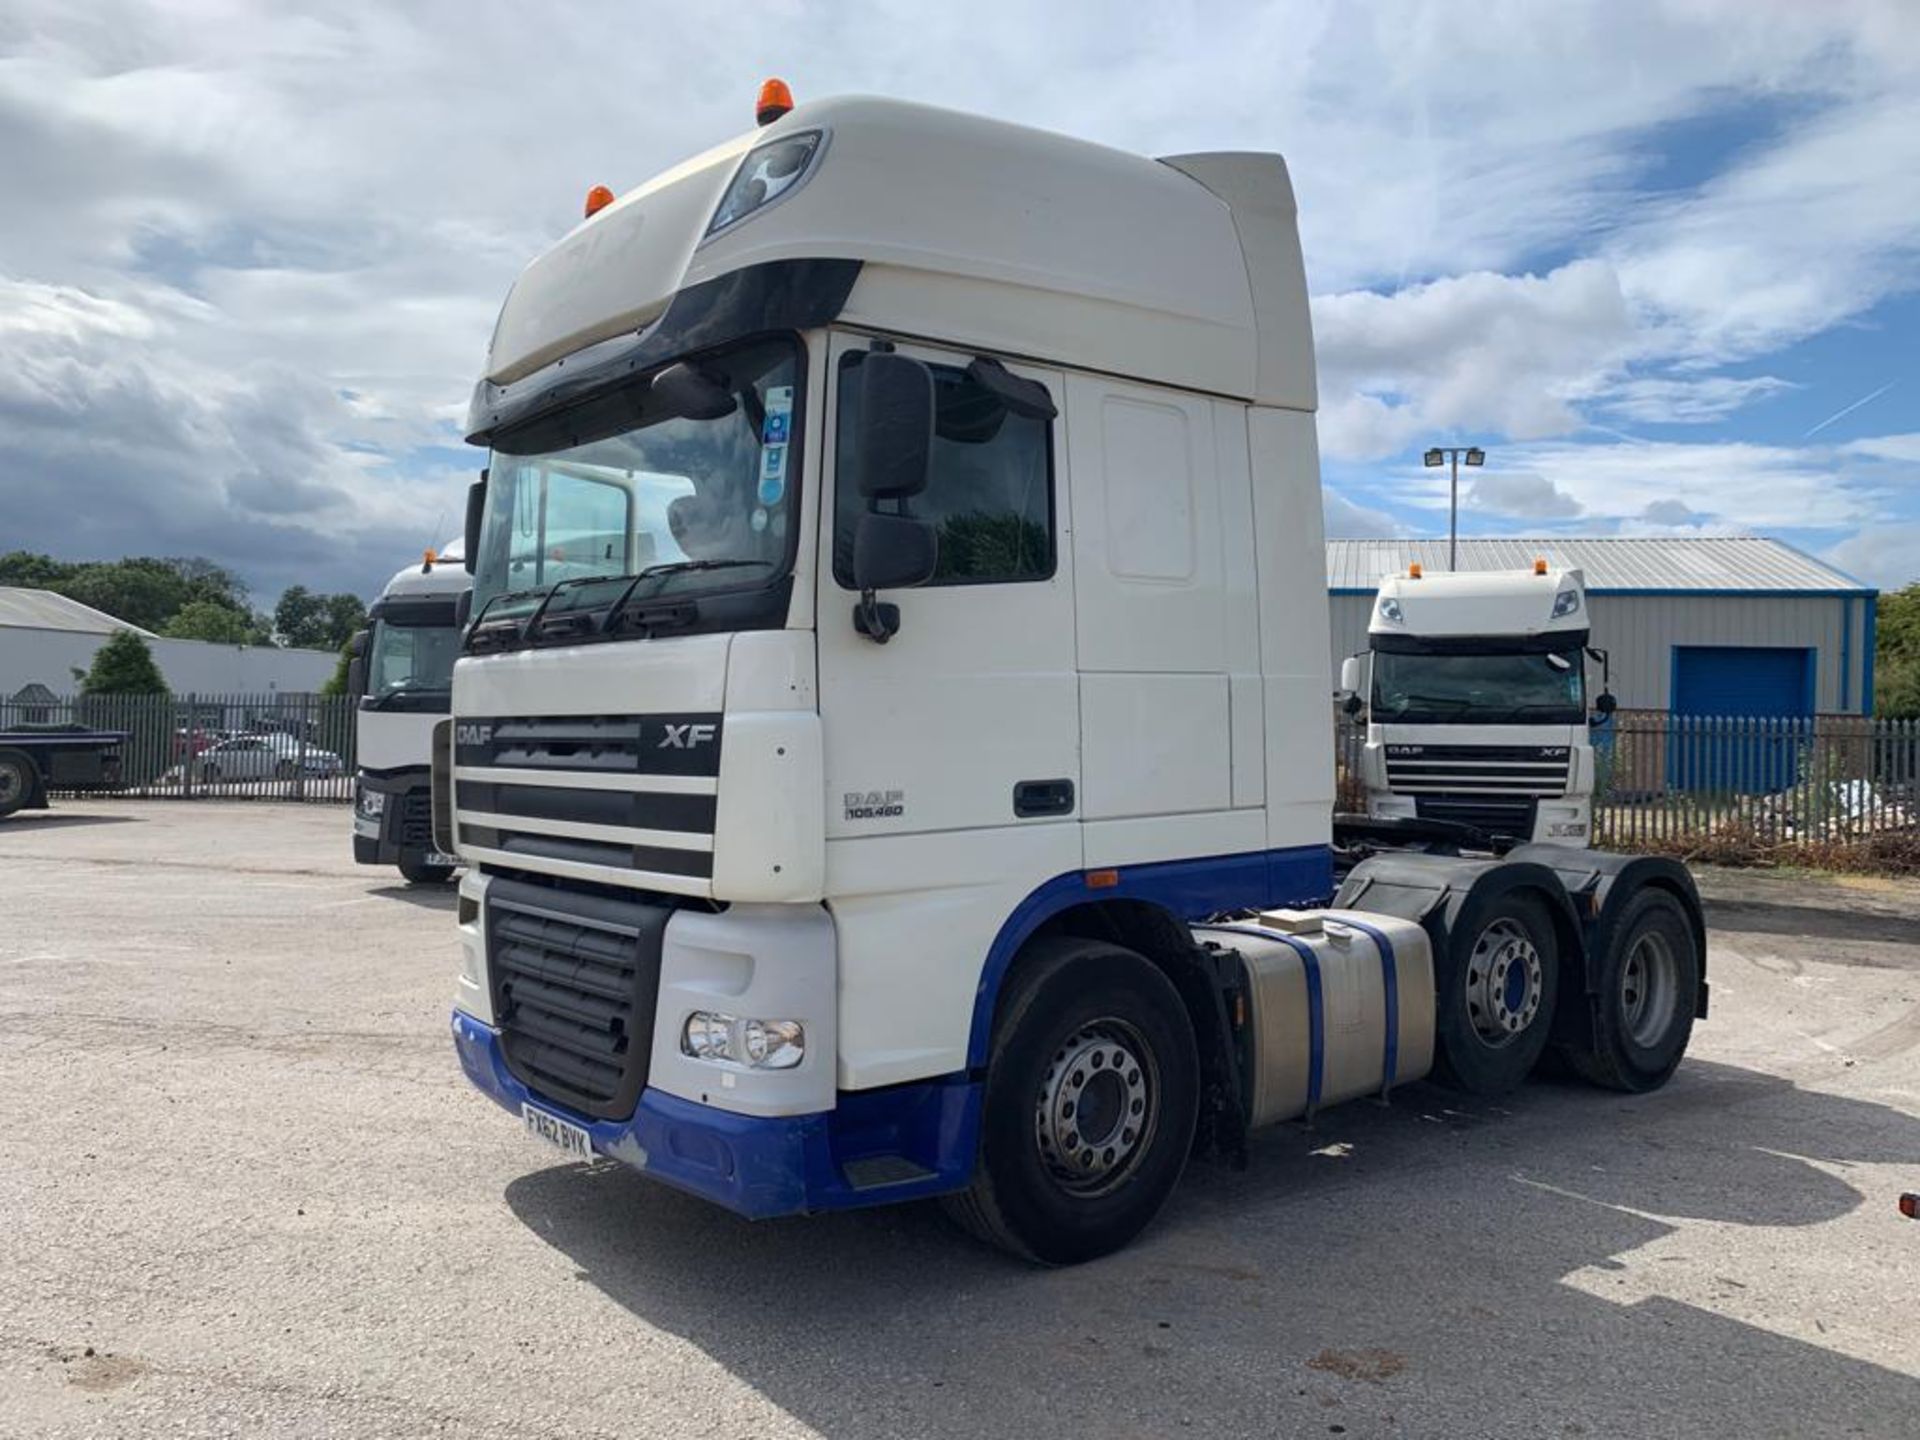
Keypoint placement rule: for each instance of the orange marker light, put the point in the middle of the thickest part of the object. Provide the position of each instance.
(598, 199)
(1413, 571)
(1539, 567)
(429, 557)
(775, 100)
(1102, 879)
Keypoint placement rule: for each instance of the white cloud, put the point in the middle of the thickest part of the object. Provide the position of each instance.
(1885, 556)
(1522, 496)
(1887, 447)
(1678, 400)
(1348, 520)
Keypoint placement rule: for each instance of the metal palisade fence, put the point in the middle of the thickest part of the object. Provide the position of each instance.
(221, 747)
(1825, 789)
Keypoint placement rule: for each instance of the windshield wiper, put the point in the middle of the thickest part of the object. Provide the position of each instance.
(666, 567)
(503, 595)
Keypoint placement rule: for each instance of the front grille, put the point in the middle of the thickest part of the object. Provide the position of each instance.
(1510, 818)
(630, 795)
(575, 979)
(413, 828)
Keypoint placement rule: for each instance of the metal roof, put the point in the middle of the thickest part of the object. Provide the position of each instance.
(43, 610)
(1715, 565)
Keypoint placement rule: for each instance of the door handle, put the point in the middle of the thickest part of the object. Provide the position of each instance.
(1042, 797)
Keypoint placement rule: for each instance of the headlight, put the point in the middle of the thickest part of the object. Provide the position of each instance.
(1565, 603)
(373, 802)
(756, 1044)
(768, 172)
(1390, 609)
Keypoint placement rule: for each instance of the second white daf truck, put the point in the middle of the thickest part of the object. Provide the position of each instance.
(1477, 697)
(891, 750)
(401, 676)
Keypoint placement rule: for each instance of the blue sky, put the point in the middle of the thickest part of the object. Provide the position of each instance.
(1646, 252)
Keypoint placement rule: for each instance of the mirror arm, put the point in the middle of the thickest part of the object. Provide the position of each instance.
(879, 623)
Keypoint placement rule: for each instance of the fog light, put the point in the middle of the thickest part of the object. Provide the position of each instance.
(373, 802)
(708, 1036)
(774, 1044)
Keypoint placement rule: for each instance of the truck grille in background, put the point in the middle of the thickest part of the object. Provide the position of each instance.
(1493, 787)
(627, 794)
(415, 828)
(575, 979)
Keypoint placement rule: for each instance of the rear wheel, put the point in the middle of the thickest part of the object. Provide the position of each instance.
(1091, 1098)
(17, 778)
(1646, 990)
(1497, 994)
(418, 872)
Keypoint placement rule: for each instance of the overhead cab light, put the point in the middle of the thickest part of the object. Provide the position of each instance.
(1390, 609)
(1413, 571)
(1565, 603)
(768, 173)
(775, 100)
(1539, 566)
(598, 199)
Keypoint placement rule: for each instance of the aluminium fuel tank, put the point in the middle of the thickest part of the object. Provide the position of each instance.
(1340, 1004)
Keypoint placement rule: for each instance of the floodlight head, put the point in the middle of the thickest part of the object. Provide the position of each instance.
(1476, 456)
(1431, 458)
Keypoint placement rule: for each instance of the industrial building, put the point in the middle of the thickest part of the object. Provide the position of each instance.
(47, 640)
(1693, 626)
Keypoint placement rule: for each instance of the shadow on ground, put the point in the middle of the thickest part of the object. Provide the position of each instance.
(1398, 1270)
(1840, 920)
(427, 897)
(60, 820)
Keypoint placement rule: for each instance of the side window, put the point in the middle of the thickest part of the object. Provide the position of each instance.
(990, 495)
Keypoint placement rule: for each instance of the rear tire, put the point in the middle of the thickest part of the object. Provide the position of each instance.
(19, 778)
(1496, 996)
(419, 872)
(1092, 1094)
(1646, 990)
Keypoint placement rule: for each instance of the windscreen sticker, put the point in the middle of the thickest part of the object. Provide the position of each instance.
(759, 520)
(773, 474)
(778, 425)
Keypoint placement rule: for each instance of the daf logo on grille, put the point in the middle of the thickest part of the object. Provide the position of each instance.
(686, 737)
(473, 735)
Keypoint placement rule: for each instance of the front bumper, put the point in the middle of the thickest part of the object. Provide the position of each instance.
(874, 1147)
(404, 826)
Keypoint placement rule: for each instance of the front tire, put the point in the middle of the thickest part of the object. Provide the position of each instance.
(18, 778)
(1647, 989)
(419, 872)
(1497, 994)
(1092, 1095)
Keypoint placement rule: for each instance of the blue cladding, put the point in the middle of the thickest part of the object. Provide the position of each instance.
(761, 1166)
(1739, 713)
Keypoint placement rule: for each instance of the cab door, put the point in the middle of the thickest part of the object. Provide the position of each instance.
(966, 723)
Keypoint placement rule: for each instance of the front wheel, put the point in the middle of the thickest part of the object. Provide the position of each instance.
(1496, 995)
(1092, 1095)
(17, 777)
(1647, 988)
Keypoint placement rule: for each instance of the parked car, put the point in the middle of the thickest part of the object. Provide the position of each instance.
(262, 757)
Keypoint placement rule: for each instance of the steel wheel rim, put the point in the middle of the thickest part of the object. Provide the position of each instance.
(1505, 981)
(1097, 1107)
(1649, 987)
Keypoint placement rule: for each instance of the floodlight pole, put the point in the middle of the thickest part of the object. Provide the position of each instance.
(1474, 455)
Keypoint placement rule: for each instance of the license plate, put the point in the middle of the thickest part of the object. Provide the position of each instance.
(437, 857)
(563, 1134)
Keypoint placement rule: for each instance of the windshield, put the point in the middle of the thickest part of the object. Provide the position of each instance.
(410, 661)
(1480, 689)
(678, 485)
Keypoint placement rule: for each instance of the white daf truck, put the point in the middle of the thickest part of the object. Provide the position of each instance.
(1476, 692)
(401, 675)
(931, 797)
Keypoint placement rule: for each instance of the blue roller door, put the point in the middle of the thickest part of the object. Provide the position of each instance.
(1769, 693)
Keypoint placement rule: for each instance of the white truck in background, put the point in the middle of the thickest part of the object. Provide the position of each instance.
(932, 797)
(1475, 687)
(401, 676)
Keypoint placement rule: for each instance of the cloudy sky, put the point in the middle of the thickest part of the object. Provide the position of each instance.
(1661, 259)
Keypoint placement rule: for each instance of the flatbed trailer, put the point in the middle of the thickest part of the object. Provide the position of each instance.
(34, 762)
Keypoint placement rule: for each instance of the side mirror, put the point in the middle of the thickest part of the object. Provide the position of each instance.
(476, 512)
(1350, 680)
(357, 665)
(893, 438)
(1605, 703)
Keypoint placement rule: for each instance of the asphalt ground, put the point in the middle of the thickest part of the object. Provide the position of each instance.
(245, 1190)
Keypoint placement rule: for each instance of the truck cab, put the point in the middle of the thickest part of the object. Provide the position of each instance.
(898, 621)
(401, 676)
(1477, 696)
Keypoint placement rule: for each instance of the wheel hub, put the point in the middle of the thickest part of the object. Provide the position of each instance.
(1504, 982)
(1096, 1106)
(11, 786)
(1648, 985)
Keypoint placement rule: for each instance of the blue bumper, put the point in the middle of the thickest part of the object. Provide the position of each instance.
(902, 1143)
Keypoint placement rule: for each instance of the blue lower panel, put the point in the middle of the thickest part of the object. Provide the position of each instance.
(761, 1166)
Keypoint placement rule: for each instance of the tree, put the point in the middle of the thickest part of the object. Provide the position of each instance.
(317, 622)
(1897, 655)
(211, 621)
(124, 666)
(337, 685)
